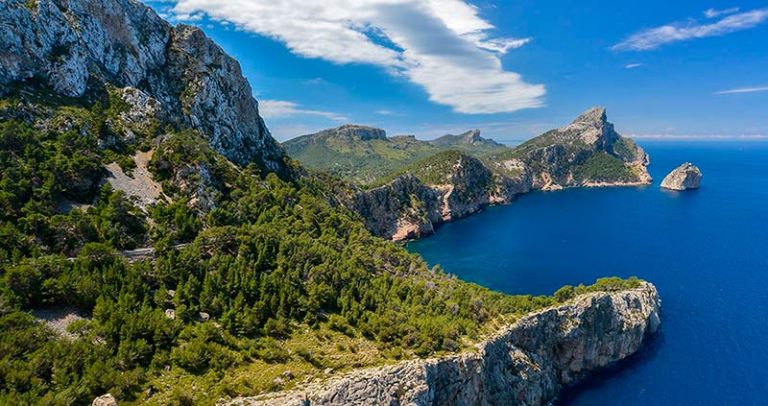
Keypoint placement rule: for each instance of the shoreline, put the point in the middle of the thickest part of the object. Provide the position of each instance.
(528, 362)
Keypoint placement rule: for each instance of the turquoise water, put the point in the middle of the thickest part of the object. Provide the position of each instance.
(705, 250)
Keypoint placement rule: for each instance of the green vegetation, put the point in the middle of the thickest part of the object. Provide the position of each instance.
(273, 278)
(609, 284)
(366, 162)
(603, 167)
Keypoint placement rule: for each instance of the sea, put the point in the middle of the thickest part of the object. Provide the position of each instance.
(705, 250)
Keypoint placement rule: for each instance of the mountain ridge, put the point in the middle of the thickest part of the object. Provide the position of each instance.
(588, 152)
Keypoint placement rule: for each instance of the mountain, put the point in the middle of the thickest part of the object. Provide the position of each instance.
(158, 247)
(586, 152)
(364, 154)
(79, 49)
(411, 201)
(470, 141)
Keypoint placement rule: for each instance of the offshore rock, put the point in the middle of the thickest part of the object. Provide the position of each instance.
(526, 363)
(685, 177)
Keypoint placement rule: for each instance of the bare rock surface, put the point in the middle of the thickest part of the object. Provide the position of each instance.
(139, 186)
(526, 363)
(685, 177)
(105, 400)
(177, 73)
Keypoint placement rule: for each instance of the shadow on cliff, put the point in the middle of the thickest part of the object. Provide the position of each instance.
(622, 368)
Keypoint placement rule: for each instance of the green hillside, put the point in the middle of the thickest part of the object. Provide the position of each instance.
(364, 155)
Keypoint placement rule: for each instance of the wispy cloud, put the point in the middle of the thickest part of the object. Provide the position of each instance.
(444, 46)
(389, 113)
(744, 90)
(712, 13)
(281, 109)
(653, 38)
(633, 65)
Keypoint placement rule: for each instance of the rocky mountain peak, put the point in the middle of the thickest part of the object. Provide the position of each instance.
(79, 47)
(592, 128)
(472, 136)
(361, 132)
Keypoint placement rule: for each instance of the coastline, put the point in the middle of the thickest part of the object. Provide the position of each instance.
(528, 362)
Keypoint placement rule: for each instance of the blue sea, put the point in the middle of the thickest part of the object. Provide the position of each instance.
(706, 251)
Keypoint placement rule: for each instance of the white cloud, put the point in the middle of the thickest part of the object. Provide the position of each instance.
(712, 13)
(633, 65)
(281, 109)
(389, 113)
(653, 38)
(744, 90)
(444, 46)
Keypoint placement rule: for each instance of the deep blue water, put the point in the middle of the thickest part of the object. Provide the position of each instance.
(706, 251)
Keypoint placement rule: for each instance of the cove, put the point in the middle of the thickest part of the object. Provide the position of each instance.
(705, 250)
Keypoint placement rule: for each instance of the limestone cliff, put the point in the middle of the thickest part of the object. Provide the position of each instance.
(76, 48)
(588, 152)
(444, 187)
(526, 363)
(685, 177)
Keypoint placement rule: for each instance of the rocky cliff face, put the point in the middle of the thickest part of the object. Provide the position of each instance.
(78, 47)
(685, 177)
(451, 185)
(527, 363)
(588, 152)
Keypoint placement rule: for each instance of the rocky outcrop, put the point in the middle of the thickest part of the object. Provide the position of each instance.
(586, 153)
(105, 400)
(527, 363)
(685, 177)
(408, 207)
(78, 47)
(471, 137)
(402, 209)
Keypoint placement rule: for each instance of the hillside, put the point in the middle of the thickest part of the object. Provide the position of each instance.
(364, 154)
(120, 133)
(411, 201)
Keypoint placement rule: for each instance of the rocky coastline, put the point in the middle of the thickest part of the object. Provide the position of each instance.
(526, 363)
(586, 153)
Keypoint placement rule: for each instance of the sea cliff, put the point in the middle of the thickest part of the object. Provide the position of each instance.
(449, 185)
(526, 363)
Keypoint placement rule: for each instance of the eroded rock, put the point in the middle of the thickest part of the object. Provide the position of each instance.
(526, 363)
(685, 177)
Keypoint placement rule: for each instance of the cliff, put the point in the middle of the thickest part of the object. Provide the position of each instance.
(586, 153)
(526, 363)
(443, 187)
(79, 48)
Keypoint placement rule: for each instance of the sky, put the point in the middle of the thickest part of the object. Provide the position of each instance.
(513, 69)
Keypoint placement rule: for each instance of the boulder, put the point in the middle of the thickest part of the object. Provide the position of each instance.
(685, 177)
(105, 400)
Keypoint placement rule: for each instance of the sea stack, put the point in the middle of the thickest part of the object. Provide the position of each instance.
(685, 177)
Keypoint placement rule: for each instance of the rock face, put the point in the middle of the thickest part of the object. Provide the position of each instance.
(587, 152)
(684, 177)
(76, 47)
(471, 137)
(409, 207)
(527, 363)
(105, 400)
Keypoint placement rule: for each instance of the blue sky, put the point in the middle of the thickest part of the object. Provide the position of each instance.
(511, 68)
